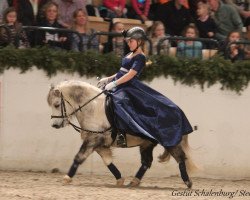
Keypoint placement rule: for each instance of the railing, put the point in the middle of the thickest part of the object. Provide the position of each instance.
(243, 47)
(112, 34)
(209, 43)
(56, 30)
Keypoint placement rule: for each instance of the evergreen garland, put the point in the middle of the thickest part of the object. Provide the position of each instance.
(231, 76)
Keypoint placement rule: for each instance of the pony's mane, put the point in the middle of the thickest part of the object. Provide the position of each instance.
(75, 88)
(76, 83)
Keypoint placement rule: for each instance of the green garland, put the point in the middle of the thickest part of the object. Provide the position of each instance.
(231, 76)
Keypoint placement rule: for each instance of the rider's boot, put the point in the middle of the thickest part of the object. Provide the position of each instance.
(121, 140)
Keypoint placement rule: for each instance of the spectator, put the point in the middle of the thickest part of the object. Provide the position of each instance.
(205, 24)
(226, 18)
(157, 32)
(66, 9)
(231, 50)
(174, 16)
(190, 49)
(81, 26)
(243, 7)
(3, 6)
(139, 10)
(92, 7)
(115, 8)
(53, 39)
(29, 11)
(14, 33)
(116, 44)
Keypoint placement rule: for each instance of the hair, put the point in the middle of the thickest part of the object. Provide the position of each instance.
(75, 13)
(115, 24)
(6, 12)
(192, 26)
(234, 31)
(46, 6)
(153, 28)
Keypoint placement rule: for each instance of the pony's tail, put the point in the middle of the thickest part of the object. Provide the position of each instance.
(165, 156)
(191, 166)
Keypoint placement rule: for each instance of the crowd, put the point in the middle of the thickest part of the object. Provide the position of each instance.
(221, 20)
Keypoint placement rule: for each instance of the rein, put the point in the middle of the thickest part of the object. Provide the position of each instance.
(65, 116)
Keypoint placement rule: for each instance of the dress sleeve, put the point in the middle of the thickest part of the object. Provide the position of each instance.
(139, 62)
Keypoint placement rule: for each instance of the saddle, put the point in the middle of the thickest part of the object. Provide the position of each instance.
(115, 133)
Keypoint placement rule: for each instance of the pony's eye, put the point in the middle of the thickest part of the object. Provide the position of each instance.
(56, 105)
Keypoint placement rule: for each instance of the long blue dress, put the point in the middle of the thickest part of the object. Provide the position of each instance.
(144, 111)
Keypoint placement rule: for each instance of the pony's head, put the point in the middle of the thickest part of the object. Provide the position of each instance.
(66, 98)
(60, 108)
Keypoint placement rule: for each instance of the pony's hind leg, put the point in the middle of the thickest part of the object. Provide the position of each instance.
(106, 155)
(180, 157)
(146, 162)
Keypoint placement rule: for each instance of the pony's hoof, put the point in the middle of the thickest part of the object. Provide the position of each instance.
(135, 182)
(120, 182)
(66, 180)
(189, 184)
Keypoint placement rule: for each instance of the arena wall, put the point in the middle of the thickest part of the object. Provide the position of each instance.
(219, 146)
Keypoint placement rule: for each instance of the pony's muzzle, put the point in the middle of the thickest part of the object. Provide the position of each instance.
(56, 126)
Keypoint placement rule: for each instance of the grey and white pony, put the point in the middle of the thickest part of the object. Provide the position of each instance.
(75, 98)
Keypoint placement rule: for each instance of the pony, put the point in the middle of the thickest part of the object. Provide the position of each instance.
(87, 103)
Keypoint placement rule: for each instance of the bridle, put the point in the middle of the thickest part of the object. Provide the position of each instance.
(66, 116)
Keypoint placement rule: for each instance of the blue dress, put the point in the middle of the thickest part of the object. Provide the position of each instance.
(144, 111)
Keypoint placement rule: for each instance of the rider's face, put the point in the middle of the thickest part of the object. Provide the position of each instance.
(132, 43)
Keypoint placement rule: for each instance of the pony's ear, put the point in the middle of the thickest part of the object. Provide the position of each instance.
(57, 93)
(52, 86)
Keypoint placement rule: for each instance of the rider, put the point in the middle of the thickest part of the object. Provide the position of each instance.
(138, 108)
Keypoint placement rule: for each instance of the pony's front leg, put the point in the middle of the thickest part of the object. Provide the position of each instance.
(86, 149)
(106, 155)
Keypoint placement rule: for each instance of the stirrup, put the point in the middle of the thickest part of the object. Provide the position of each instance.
(121, 141)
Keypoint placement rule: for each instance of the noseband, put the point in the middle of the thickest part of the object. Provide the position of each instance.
(65, 116)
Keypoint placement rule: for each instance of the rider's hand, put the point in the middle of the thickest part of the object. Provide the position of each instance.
(110, 85)
(103, 82)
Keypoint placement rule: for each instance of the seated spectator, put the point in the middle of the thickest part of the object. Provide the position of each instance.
(139, 10)
(226, 18)
(174, 15)
(231, 50)
(205, 23)
(66, 9)
(29, 13)
(190, 49)
(81, 26)
(53, 39)
(92, 7)
(157, 32)
(14, 33)
(116, 44)
(3, 6)
(115, 8)
(243, 7)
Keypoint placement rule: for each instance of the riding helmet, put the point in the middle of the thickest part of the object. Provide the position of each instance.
(135, 33)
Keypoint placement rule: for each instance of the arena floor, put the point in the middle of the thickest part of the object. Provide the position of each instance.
(49, 186)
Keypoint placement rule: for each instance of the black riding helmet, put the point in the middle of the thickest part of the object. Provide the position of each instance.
(136, 33)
